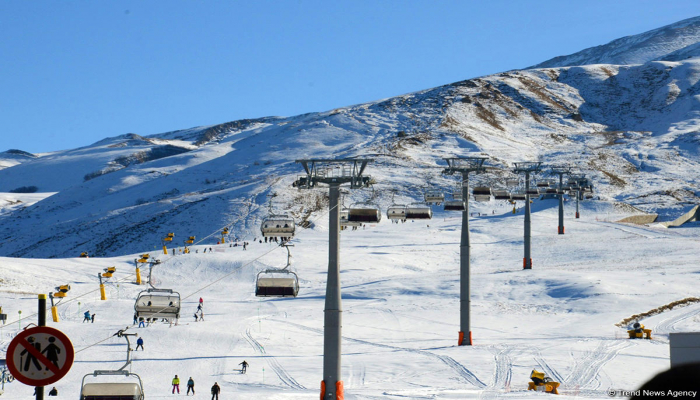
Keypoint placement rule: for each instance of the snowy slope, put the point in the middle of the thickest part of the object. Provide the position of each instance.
(671, 42)
(400, 310)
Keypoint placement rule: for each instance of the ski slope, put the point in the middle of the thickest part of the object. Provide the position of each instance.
(400, 292)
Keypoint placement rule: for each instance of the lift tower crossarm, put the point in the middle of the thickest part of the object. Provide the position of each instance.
(527, 168)
(464, 166)
(333, 173)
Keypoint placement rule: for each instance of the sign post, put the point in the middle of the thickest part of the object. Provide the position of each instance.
(41, 355)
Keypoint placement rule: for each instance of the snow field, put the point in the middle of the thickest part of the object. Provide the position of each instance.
(400, 309)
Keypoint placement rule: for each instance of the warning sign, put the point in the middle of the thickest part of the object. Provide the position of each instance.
(40, 356)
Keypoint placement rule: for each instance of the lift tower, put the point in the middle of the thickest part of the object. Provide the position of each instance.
(333, 173)
(561, 170)
(580, 180)
(464, 165)
(527, 168)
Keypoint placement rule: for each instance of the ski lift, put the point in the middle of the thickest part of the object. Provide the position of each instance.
(159, 303)
(418, 211)
(519, 195)
(512, 182)
(281, 225)
(501, 194)
(364, 215)
(533, 191)
(114, 390)
(482, 193)
(457, 193)
(455, 205)
(396, 212)
(434, 197)
(276, 282)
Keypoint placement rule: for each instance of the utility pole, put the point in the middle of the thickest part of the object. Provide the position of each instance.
(333, 173)
(527, 168)
(463, 166)
(561, 170)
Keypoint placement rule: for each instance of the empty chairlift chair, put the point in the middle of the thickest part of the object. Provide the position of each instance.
(278, 226)
(501, 194)
(158, 303)
(482, 193)
(418, 211)
(275, 282)
(518, 196)
(455, 205)
(434, 197)
(112, 390)
(364, 215)
(396, 212)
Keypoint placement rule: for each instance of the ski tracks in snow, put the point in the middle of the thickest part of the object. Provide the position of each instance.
(460, 369)
(588, 365)
(503, 369)
(668, 325)
(273, 363)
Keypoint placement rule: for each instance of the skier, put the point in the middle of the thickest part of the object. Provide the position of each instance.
(244, 366)
(139, 343)
(215, 391)
(176, 384)
(136, 319)
(244, 245)
(201, 315)
(53, 392)
(142, 324)
(196, 317)
(199, 307)
(190, 386)
(92, 318)
(201, 301)
(87, 316)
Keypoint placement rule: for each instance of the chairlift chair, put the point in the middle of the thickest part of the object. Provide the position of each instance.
(159, 303)
(280, 225)
(364, 215)
(277, 282)
(418, 211)
(512, 182)
(455, 205)
(533, 191)
(396, 212)
(344, 223)
(501, 194)
(434, 196)
(519, 195)
(112, 390)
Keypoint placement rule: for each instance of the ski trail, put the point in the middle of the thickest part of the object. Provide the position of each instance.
(460, 369)
(588, 365)
(273, 363)
(668, 325)
(546, 368)
(503, 368)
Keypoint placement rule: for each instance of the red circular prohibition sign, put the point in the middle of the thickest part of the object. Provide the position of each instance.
(34, 362)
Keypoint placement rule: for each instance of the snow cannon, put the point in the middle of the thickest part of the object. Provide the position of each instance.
(108, 272)
(84, 255)
(638, 332)
(61, 291)
(144, 258)
(542, 383)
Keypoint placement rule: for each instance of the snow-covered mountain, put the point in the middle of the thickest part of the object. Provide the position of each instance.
(631, 128)
(674, 42)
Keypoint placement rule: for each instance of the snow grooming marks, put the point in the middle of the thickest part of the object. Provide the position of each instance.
(460, 369)
(588, 365)
(668, 325)
(546, 368)
(273, 363)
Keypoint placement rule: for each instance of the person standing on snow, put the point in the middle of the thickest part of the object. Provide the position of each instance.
(190, 386)
(87, 316)
(244, 366)
(139, 343)
(215, 390)
(176, 384)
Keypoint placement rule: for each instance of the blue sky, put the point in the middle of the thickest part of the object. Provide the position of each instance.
(75, 72)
